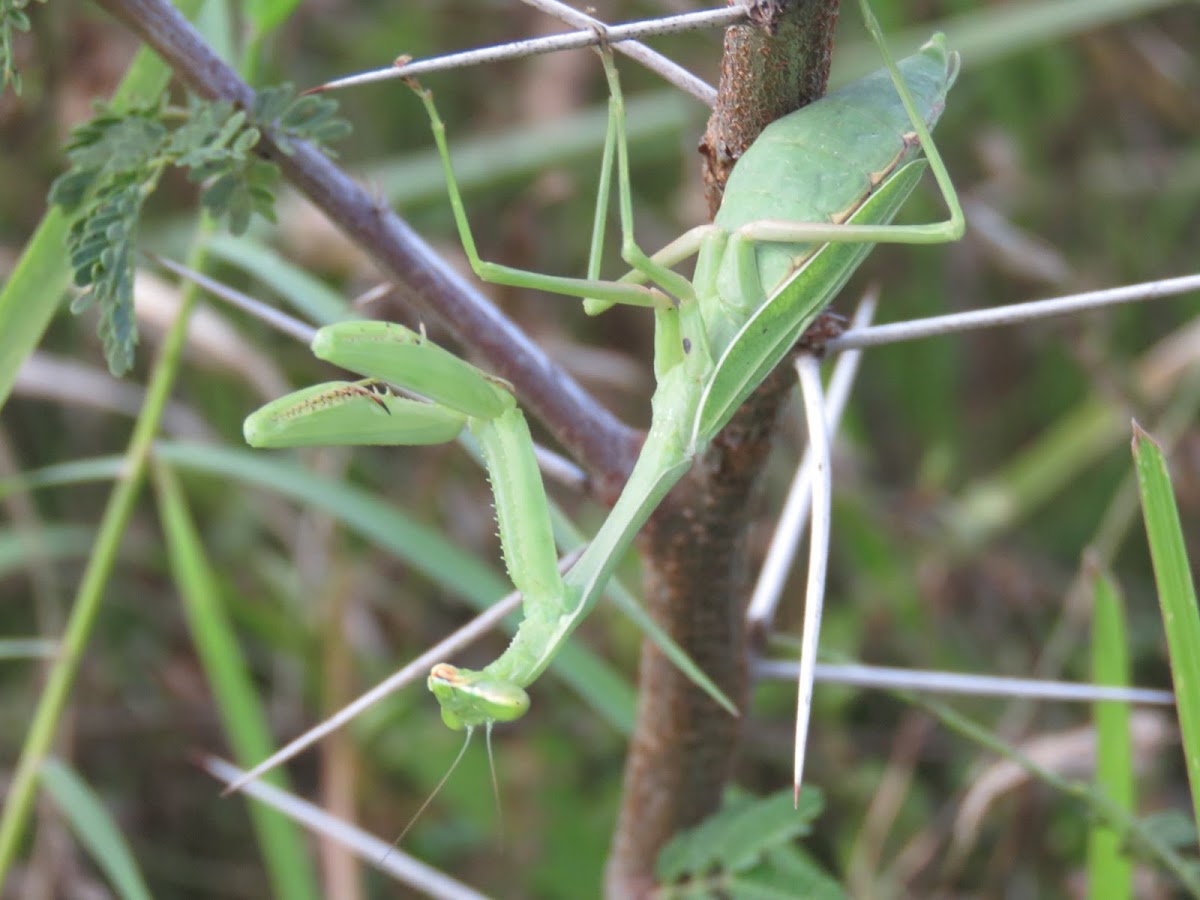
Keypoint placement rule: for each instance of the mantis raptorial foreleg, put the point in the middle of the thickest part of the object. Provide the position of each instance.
(459, 396)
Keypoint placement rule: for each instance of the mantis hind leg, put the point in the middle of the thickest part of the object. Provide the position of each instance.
(630, 251)
(680, 333)
(609, 291)
(950, 229)
(657, 268)
(603, 193)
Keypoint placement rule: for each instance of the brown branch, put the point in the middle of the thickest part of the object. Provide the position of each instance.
(695, 546)
(771, 67)
(601, 443)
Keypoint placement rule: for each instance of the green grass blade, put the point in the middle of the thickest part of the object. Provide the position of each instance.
(990, 32)
(267, 15)
(31, 295)
(81, 471)
(95, 828)
(1110, 870)
(1135, 831)
(1176, 595)
(86, 606)
(286, 857)
(1032, 477)
(423, 548)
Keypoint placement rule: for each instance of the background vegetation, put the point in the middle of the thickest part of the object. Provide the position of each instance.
(971, 476)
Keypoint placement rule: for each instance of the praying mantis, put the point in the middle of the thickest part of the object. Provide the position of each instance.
(801, 210)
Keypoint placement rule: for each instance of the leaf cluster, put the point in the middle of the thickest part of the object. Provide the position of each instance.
(12, 20)
(117, 161)
(746, 851)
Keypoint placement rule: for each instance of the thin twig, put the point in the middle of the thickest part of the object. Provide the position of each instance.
(264, 312)
(654, 61)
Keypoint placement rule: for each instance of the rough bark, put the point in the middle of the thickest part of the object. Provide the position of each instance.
(694, 547)
(771, 67)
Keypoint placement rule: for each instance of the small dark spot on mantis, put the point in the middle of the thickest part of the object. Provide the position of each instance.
(687, 345)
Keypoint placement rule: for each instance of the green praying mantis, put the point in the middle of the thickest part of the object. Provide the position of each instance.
(801, 210)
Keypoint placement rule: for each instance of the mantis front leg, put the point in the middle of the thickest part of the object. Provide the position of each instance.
(459, 395)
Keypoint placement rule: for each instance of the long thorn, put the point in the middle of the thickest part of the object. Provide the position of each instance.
(786, 538)
(1014, 314)
(404, 68)
(808, 367)
(894, 679)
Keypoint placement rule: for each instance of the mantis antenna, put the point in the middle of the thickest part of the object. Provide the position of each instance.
(441, 783)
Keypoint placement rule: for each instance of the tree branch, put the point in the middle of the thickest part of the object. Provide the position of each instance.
(598, 440)
(694, 547)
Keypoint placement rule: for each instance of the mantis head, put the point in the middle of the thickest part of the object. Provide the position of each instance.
(471, 698)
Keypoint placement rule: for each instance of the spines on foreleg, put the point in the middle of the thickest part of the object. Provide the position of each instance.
(522, 511)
